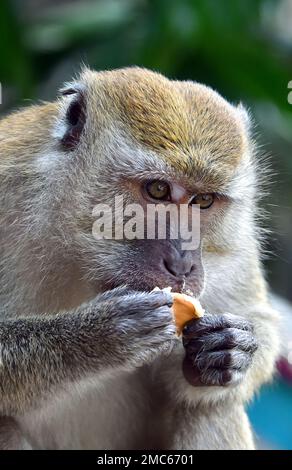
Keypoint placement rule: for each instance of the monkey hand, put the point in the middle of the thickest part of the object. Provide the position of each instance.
(134, 327)
(219, 350)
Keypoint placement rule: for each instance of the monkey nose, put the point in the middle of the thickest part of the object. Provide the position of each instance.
(179, 264)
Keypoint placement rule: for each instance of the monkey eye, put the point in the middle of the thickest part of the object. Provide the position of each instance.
(157, 189)
(204, 200)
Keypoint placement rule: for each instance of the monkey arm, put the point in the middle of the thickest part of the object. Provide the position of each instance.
(42, 354)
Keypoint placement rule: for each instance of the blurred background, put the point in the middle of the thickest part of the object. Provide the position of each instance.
(242, 48)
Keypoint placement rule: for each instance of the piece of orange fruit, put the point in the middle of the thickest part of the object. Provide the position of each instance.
(185, 308)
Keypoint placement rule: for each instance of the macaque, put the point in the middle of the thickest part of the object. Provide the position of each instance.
(89, 355)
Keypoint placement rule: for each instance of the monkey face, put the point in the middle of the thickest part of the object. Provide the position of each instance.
(136, 135)
(131, 250)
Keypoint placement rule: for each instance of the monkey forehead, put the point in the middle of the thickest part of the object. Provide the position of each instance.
(189, 124)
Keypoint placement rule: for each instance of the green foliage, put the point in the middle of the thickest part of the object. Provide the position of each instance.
(15, 66)
(221, 42)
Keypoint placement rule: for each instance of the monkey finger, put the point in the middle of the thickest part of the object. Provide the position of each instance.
(221, 377)
(210, 323)
(116, 292)
(228, 338)
(210, 377)
(144, 302)
(231, 338)
(229, 359)
(160, 298)
(159, 318)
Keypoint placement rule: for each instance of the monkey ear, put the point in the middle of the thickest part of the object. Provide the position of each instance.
(74, 115)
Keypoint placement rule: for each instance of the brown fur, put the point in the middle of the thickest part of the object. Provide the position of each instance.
(28, 129)
(189, 124)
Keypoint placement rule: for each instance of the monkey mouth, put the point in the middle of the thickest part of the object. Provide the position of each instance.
(181, 286)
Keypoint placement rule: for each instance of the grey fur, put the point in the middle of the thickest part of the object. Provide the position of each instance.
(81, 368)
(114, 331)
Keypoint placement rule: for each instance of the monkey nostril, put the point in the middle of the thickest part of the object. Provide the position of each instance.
(168, 268)
(178, 268)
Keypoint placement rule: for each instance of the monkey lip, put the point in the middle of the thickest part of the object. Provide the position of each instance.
(193, 289)
(182, 286)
